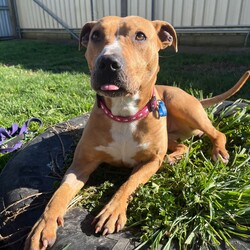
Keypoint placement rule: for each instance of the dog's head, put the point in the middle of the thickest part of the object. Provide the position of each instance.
(122, 53)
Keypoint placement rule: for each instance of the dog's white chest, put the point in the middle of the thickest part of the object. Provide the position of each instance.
(123, 146)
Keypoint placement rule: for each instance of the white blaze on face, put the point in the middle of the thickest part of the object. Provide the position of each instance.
(110, 49)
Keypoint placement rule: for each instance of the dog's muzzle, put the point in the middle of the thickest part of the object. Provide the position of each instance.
(108, 78)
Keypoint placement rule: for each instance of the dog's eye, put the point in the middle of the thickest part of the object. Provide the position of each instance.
(96, 36)
(140, 36)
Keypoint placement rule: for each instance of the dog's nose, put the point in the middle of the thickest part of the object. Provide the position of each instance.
(110, 63)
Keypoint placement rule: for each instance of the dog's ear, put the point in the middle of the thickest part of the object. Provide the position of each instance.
(166, 33)
(85, 32)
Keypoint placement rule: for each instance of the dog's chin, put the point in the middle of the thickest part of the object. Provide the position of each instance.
(112, 93)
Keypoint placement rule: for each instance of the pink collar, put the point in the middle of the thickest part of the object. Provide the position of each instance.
(150, 106)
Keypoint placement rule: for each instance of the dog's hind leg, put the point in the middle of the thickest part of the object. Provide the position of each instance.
(178, 150)
(219, 142)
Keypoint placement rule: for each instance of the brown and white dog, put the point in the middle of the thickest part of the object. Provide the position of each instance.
(125, 127)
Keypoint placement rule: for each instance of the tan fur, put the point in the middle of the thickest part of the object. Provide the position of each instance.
(219, 98)
(105, 141)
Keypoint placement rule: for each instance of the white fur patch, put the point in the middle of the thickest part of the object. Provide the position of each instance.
(111, 48)
(123, 146)
(125, 106)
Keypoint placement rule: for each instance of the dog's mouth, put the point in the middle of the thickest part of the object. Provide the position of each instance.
(111, 90)
(110, 87)
(109, 76)
(115, 87)
(110, 84)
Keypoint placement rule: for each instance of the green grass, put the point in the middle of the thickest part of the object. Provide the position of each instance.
(53, 97)
(193, 201)
(194, 204)
(45, 80)
(209, 72)
(197, 200)
(49, 81)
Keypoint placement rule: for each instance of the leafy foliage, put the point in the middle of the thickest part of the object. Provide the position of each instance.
(198, 201)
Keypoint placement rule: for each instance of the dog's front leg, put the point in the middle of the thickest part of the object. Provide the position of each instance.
(113, 216)
(43, 234)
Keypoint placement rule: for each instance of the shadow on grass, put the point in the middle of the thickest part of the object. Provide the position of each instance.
(55, 57)
(212, 71)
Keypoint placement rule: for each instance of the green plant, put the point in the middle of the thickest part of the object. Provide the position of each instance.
(195, 202)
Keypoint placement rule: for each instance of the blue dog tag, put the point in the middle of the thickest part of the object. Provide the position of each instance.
(162, 109)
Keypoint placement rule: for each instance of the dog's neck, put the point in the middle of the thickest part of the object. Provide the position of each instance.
(127, 105)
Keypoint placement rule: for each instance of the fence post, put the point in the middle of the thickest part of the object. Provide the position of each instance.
(153, 10)
(92, 10)
(124, 8)
(12, 14)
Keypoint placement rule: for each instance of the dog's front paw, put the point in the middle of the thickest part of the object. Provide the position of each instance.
(43, 234)
(111, 219)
